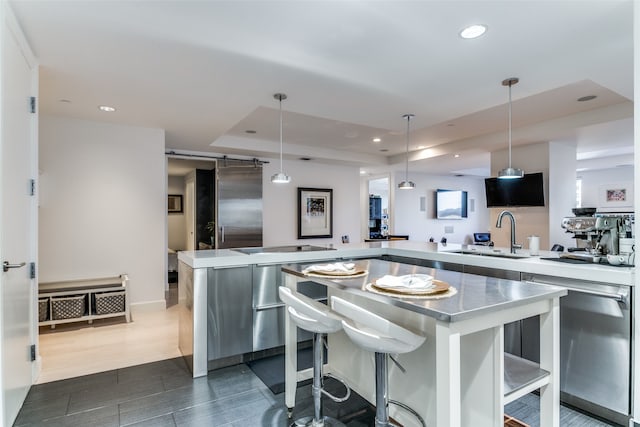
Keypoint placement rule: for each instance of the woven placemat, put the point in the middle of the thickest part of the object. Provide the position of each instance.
(450, 292)
(360, 273)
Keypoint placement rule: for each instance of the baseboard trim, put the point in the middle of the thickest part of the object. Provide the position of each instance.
(138, 307)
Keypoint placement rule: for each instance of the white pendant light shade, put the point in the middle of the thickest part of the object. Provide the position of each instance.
(280, 177)
(510, 172)
(406, 184)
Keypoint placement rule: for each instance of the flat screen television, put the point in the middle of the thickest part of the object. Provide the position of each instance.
(526, 191)
(451, 204)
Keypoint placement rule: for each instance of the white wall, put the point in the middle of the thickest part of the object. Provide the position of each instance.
(562, 191)
(594, 184)
(408, 219)
(103, 204)
(280, 213)
(176, 224)
(530, 220)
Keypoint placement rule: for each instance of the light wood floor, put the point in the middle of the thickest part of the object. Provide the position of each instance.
(75, 349)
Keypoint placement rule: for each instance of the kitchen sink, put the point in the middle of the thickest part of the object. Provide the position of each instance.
(498, 254)
(283, 249)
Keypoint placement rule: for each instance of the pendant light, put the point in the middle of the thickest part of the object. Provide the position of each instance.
(510, 173)
(280, 177)
(406, 184)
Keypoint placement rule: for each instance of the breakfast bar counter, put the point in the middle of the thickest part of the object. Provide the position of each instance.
(460, 375)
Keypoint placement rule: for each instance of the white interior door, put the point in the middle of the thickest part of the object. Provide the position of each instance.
(18, 216)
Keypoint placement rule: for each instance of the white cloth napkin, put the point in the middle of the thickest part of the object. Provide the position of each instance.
(336, 267)
(409, 281)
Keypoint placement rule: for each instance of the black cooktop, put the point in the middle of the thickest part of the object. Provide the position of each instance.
(579, 261)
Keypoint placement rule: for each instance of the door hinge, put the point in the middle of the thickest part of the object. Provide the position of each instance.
(33, 352)
(32, 270)
(33, 187)
(32, 104)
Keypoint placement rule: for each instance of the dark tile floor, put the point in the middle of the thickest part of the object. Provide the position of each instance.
(164, 394)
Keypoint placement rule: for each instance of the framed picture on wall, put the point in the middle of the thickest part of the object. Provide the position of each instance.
(174, 203)
(315, 213)
(615, 196)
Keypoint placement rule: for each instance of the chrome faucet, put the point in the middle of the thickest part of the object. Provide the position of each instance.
(514, 245)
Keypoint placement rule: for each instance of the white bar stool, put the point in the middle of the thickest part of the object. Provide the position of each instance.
(377, 334)
(315, 317)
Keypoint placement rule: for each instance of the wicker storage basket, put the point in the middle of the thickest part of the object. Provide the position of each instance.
(68, 307)
(109, 302)
(43, 309)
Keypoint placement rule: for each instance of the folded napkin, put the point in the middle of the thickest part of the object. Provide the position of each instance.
(409, 281)
(336, 267)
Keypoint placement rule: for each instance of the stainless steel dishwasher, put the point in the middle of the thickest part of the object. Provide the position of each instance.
(595, 346)
(269, 311)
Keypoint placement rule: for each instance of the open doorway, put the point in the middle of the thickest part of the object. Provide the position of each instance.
(190, 226)
(379, 208)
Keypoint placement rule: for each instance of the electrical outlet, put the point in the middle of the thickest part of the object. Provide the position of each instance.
(448, 229)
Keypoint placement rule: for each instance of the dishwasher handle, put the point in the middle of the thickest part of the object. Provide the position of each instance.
(268, 306)
(621, 296)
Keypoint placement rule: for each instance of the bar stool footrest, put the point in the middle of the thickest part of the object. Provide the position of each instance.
(408, 409)
(334, 398)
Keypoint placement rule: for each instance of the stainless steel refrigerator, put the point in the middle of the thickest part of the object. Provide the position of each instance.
(239, 204)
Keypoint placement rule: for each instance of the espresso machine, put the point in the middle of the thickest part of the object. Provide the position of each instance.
(596, 235)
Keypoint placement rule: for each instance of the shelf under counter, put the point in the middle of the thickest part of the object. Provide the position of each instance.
(521, 377)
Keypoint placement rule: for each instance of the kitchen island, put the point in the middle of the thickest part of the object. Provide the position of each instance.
(460, 376)
(198, 290)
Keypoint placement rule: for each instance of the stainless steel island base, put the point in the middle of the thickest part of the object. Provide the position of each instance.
(460, 376)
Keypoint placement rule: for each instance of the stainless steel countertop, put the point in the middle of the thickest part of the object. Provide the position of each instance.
(476, 295)
(450, 253)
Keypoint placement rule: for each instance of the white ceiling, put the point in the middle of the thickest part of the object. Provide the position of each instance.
(206, 72)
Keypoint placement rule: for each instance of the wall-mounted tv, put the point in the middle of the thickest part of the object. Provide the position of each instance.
(451, 204)
(526, 191)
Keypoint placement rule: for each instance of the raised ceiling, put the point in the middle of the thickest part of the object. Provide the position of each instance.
(206, 72)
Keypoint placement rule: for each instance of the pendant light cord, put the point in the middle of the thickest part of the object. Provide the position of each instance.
(406, 169)
(280, 98)
(510, 84)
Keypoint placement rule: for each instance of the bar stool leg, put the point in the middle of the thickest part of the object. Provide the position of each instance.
(382, 408)
(316, 389)
(318, 419)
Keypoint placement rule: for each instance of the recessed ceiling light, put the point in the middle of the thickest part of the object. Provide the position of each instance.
(250, 131)
(473, 31)
(376, 140)
(363, 172)
(106, 109)
(456, 155)
(66, 101)
(450, 124)
(420, 147)
(587, 98)
(384, 150)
